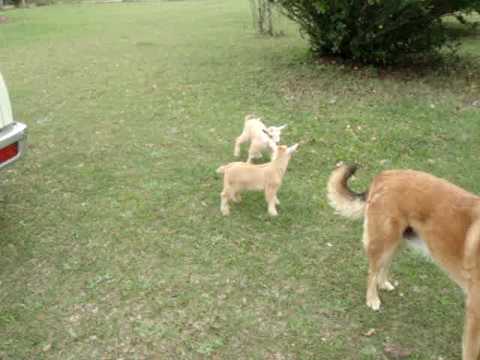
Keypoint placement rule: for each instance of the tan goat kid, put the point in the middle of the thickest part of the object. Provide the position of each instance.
(240, 176)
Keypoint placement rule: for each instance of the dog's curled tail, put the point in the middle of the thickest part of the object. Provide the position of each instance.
(345, 201)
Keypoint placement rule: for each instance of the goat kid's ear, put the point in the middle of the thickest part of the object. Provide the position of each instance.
(282, 127)
(292, 149)
(266, 132)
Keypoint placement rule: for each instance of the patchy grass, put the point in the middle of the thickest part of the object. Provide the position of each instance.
(112, 242)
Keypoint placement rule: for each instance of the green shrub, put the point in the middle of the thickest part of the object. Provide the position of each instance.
(375, 31)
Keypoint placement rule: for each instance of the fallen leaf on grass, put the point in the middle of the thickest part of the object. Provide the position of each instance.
(370, 332)
(396, 352)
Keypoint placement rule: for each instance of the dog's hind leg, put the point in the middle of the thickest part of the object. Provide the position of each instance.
(391, 245)
(471, 335)
(387, 257)
(381, 240)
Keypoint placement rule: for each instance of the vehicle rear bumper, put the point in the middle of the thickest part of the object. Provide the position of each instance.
(15, 132)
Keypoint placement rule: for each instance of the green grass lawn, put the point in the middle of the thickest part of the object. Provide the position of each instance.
(112, 242)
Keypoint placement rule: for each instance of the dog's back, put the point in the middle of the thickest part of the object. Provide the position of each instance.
(421, 198)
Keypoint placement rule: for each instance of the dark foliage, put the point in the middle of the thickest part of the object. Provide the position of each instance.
(375, 31)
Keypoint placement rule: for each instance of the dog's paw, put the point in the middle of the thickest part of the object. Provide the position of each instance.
(374, 304)
(225, 212)
(387, 285)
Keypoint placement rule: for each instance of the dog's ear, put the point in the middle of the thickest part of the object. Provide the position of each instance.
(292, 149)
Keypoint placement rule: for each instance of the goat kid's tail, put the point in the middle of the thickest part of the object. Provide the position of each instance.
(345, 201)
(250, 117)
(221, 169)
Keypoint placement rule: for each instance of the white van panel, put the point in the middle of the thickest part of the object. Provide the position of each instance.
(6, 116)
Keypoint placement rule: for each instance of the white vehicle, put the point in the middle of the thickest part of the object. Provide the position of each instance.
(13, 134)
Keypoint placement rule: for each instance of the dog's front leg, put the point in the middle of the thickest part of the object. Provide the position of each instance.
(471, 335)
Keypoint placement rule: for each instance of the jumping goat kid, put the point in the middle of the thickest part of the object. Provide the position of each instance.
(260, 137)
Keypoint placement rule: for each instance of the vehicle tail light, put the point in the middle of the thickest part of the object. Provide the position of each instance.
(8, 152)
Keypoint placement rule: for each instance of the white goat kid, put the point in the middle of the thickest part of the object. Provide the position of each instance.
(260, 137)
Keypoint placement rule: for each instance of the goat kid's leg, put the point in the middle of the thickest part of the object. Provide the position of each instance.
(270, 195)
(240, 140)
(224, 208)
(237, 197)
(255, 151)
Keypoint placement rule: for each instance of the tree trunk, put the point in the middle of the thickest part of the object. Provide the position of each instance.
(268, 17)
(253, 10)
(262, 16)
(20, 3)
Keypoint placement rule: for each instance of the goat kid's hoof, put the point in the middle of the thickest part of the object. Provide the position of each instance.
(374, 304)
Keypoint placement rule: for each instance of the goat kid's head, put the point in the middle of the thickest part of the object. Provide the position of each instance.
(274, 132)
(284, 151)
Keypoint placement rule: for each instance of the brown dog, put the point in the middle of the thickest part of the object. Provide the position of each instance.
(416, 206)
